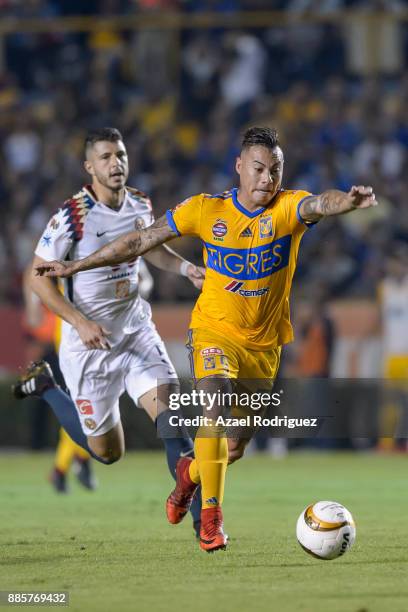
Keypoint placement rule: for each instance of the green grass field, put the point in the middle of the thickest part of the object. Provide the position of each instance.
(113, 550)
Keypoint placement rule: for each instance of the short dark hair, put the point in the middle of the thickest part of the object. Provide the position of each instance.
(99, 134)
(264, 136)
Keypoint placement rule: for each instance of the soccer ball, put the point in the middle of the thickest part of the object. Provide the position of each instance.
(326, 530)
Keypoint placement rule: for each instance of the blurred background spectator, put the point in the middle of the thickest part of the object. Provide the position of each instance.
(182, 98)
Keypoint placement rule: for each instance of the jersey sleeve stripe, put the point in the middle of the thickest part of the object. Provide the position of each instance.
(299, 216)
(170, 221)
(75, 211)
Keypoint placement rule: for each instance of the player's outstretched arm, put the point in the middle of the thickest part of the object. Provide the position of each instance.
(335, 202)
(122, 249)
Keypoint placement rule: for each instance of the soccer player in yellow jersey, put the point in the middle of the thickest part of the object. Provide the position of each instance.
(251, 237)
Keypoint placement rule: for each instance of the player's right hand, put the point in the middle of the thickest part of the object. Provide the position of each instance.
(93, 335)
(62, 269)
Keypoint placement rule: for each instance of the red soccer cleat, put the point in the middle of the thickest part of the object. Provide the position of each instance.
(212, 536)
(179, 501)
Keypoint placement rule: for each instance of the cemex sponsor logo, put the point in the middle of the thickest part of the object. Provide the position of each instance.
(236, 287)
(84, 406)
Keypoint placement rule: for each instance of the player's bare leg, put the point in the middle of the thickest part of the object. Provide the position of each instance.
(110, 446)
(154, 401)
(236, 448)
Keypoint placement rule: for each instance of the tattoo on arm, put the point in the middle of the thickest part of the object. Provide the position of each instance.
(309, 209)
(334, 202)
(331, 202)
(128, 246)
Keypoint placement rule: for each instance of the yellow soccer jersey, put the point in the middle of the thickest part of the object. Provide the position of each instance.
(250, 259)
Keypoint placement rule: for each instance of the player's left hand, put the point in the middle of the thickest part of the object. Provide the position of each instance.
(362, 196)
(61, 269)
(196, 275)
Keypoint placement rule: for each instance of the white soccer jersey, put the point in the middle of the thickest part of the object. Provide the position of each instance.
(108, 295)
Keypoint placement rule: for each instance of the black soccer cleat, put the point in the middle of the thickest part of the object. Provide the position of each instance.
(37, 379)
(58, 481)
(84, 473)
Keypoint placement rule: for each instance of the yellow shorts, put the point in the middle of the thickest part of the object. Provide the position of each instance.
(211, 354)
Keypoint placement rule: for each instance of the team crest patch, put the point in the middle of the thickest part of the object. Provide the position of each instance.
(209, 363)
(90, 424)
(84, 406)
(122, 288)
(213, 357)
(139, 223)
(219, 229)
(213, 350)
(265, 227)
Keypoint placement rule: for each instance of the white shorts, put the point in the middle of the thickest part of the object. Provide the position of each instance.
(97, 378)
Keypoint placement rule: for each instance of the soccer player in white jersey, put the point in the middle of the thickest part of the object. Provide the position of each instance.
(109, 343)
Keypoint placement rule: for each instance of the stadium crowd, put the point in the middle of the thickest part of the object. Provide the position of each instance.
(182, 100)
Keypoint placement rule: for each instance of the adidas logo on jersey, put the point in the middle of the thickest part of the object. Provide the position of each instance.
(246, 233)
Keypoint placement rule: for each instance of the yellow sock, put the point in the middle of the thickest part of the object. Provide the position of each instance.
(212, 458)
(388, 423)
(66, 450)
(193, 471)
(81, 452)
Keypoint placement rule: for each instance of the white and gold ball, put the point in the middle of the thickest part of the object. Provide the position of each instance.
(326, 530)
